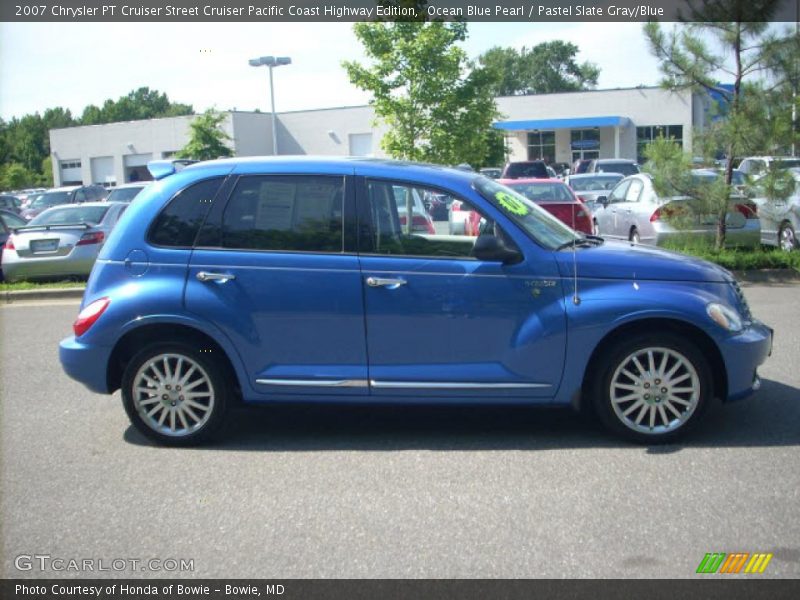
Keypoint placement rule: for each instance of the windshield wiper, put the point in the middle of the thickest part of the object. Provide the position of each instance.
(587, 241)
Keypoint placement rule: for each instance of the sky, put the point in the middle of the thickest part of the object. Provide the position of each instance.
(43, 65)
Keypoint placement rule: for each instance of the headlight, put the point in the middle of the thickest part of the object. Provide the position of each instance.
(725, 317)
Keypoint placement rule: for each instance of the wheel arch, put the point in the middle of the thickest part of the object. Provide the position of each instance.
(704, 342)
(136, 339)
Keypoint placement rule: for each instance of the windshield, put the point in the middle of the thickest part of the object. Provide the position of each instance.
(70, 215)
(51, 199)
(543, 192)
(124, 194)
(543, 227)
(600, 183)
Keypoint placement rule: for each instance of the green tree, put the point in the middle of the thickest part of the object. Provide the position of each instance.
(207, 139)
(437, 104)
(14, 176)
(139, 104)
(546, 68)
(742, 48)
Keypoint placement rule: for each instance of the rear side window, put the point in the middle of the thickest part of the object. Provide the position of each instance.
(178, 223)
(285, 213)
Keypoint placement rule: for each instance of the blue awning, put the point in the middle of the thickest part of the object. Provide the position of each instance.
(577, 123)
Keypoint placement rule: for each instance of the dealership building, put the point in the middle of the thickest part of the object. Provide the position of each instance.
(558, 128)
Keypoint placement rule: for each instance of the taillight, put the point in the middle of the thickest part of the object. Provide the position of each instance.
(655, 216)
(9, 245)
(750, 211)
(89, 315)
(95, 237)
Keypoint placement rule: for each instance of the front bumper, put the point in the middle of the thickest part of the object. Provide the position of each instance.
(743, 353)
(86, 364)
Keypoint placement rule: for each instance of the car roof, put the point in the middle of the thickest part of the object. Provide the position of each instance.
(65, 188)
(594, 175)
(530, 180)
(614, 160)
(367, 166)
(134, 184)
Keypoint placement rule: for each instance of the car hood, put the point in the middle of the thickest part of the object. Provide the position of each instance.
(622, 260)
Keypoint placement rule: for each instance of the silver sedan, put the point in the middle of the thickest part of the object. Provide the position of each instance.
(633, 211)
(780, 220)
(62, 241)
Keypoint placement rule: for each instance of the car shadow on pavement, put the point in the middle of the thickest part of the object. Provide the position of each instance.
(769, 418)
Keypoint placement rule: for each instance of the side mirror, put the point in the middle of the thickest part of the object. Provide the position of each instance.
(602, 200)
(490, 248)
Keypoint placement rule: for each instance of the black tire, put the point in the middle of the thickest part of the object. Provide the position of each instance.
(634, 238)
(617, 357)
(206, 382)
(784, 243)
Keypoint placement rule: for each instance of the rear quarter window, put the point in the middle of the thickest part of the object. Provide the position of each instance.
(177, 224)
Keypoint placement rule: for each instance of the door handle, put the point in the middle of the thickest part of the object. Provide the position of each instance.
(221, 277)
(390, 284)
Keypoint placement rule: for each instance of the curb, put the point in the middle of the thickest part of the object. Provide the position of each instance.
(46, 294)
(786, 276)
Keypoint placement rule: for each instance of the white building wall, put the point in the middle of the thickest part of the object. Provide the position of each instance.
(326, 132)
(251, 133)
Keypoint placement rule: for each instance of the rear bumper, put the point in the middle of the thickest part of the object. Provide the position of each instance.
(86, 364)
(743, 353)
(52, 266)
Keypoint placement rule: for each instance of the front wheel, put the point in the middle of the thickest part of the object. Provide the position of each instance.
(652, 388)
(174, 395)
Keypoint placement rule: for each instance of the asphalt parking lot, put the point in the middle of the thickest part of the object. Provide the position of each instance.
(301, 492)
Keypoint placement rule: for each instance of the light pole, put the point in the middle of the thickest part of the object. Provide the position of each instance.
(271, 61)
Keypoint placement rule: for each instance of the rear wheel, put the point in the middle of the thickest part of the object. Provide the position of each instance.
(634, 236)
(652, 388)
(786, 237)
(174, 395)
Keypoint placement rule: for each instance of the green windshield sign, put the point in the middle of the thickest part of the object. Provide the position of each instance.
(511, 204)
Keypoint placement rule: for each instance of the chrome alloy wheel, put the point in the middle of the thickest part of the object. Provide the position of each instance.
(173, 394)
(786, 239)
(655, 390)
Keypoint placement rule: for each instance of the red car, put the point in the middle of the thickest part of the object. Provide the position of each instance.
(556, 198)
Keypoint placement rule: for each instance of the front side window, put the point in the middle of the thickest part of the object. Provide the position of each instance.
(618, 193)
(178, 223)
(285, 213)
(402, 226)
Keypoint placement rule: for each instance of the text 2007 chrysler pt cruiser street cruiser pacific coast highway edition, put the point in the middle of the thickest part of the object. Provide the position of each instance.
(304, 279)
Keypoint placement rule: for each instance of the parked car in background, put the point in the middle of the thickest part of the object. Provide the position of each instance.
(64, 195)
(556, 198)
(8, 221)
(261, 281)
(125, 192)
(633, 211)
(613, 165)
(438, 205)
(780, 219)
(10, 203)
(409, 203)
(62, 241)
(580, 166)
(525, 169)
(491, 172)
(588, 187)
(756, 166)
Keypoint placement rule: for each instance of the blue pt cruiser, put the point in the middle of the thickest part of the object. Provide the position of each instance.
(302, 279)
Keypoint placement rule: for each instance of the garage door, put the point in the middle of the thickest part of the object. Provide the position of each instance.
(103, 171)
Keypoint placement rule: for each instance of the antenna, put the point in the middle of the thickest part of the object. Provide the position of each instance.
(576, 300)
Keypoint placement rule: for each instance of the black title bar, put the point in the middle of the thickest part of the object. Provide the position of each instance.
(373, 10)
